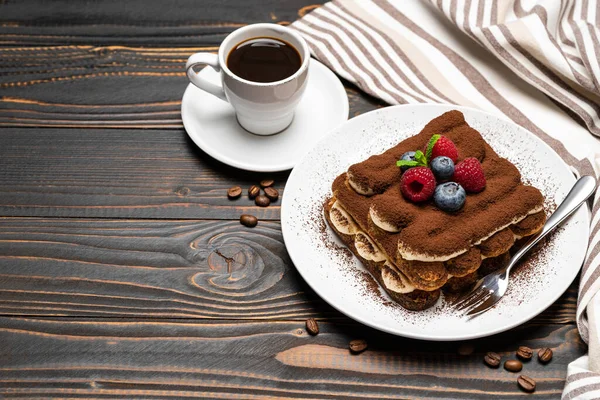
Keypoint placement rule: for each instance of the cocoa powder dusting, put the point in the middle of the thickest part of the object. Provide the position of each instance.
(424, 228)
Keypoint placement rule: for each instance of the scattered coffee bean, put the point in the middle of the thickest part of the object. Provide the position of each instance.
(262, 201)
(248, 220)
(234, 192)
(513, 365)
(272, 193)
(358, 346)
(312, 327)
(253, 191)
(492, 359)
(545, 355)
(526, 383)
(266, 183)
(524, 353)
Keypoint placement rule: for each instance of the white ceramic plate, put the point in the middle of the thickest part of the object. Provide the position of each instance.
(339, 278)
(212, 125)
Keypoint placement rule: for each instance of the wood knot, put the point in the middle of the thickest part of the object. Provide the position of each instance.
(236, 267)
(182, 191)
(234, 262)
(227, 264)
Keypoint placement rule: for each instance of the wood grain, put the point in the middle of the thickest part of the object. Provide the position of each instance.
(162, 269)
(103, 87)
(119, 174)
(105, 358)
(206, 269)
(123, 172)
(151, 289)
(137, 21)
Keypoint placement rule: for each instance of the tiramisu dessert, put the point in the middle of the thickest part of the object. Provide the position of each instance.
(434, 212)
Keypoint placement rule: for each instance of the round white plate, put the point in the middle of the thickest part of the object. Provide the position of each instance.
(212, 125)
(339, 278)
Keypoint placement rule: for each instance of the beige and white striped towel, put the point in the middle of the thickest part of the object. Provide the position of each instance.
(536, 62)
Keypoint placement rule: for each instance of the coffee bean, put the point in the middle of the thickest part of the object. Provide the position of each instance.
(253, 191)
(266, 183)
(524, 353)
(272, 193)
(513, 365)
(492, 359)
(248, 220)
(526, 383)
(358, 346)
(262, 201)
(234, 192)
(312, 327)
(545, 355)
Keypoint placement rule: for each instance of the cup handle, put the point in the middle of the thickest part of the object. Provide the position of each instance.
(205, 59)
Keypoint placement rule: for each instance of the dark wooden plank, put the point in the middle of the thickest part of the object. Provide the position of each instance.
(110, 173)
(138, 21)
(161, 269)
(129, 173)
(104, 358)
(119, 173)
(103, 87)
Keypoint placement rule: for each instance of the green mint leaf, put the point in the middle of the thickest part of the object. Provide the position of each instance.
(430, 145)
(406, 163)
(419, 160)
(420, 157)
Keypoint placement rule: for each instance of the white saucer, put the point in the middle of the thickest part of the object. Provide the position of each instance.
(212, 125)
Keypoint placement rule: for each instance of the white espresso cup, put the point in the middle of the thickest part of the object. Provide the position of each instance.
(261, 108)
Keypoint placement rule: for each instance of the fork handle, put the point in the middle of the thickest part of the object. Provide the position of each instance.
(580, 192)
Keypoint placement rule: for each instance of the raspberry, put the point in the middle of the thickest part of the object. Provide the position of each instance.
(443, 147)
(469, 174)
(417, 184)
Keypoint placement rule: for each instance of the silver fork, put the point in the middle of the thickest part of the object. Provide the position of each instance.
(490, 289)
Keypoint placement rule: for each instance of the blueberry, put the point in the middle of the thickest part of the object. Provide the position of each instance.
(449, 196)
(408, 156)
(442, 167)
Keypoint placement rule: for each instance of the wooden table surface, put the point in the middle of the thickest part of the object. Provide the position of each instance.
(124, 272)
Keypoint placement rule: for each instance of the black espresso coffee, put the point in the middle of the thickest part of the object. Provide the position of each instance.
(264, 59)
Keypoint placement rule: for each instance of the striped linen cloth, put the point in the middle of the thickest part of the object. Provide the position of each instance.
(535, 62)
